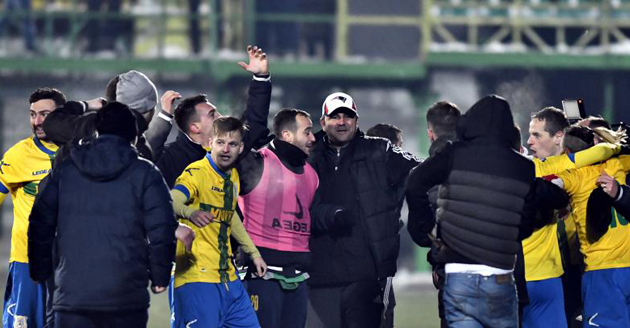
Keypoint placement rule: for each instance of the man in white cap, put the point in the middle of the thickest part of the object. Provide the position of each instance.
(354, 251)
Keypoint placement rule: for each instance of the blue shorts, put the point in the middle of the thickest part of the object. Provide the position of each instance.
(204, 304)
(606, 297)
(24, 300)
(546, 305)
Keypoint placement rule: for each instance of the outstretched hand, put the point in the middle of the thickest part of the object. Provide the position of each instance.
(258, 63)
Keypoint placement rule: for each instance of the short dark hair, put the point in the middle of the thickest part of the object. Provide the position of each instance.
(596, 122)
(227, 124)
(286, 119)
(185, 112)
(387, 131)
(578, 138)
(48, 93)
(443, 117)
(555, 119)
(110, 89)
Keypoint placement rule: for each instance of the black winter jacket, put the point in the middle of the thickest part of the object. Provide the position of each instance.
(111, 217)
(177, 155)
(365, 178)
(486, 201)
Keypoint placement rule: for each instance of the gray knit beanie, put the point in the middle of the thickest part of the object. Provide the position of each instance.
(135, 90)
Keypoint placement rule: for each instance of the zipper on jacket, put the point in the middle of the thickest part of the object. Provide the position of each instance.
(337, 161)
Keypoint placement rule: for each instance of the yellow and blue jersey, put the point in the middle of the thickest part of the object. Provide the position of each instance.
(541, 250)
(612, 250)
(22, 167)
(209, 189)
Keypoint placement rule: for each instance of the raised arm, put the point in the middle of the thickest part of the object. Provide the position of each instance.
(259, 98)
(69, 122)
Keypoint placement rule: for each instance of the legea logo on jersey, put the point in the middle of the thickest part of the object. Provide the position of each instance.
(292, 225)
(40, 172)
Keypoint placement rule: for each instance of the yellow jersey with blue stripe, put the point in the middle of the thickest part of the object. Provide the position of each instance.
(612, 250)
(209, 189)
(22, 167)
(541, 250)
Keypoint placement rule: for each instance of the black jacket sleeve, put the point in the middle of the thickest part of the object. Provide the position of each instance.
(528, 216)
(400, 162)
(68, 122)
(255, 116)
(432, 172)
(42, 229)
(622, 206)
(256, 113)
(323, 216)
(548, 197)
(159, 224)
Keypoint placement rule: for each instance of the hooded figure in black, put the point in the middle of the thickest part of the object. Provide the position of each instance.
(484, 211)
(110, 216)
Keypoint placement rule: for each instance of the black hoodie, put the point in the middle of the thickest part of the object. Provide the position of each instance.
(111, 218)
(485, 201)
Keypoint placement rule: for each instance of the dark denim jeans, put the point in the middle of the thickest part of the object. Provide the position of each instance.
(473, 300)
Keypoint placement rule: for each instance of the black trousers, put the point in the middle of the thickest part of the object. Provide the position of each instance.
(134, 319)
(356, 305)
(277, 307)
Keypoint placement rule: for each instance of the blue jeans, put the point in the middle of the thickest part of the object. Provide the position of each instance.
(475, 301)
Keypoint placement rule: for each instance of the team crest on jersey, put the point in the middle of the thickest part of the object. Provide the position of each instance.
(20, 321)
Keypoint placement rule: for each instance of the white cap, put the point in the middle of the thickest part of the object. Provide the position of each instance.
(338, 100)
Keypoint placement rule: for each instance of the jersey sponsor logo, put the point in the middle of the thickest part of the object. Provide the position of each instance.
(289, 225)
(220, 215)
(2, 163)
(300, 213)
(217, 189)
(40, 172)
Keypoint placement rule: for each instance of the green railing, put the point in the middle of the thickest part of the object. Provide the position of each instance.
(475, 33)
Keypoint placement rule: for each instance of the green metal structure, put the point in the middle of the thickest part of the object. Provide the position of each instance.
(492, 33)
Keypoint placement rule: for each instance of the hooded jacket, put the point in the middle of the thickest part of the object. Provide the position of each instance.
(485, 203)
(110, 216)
